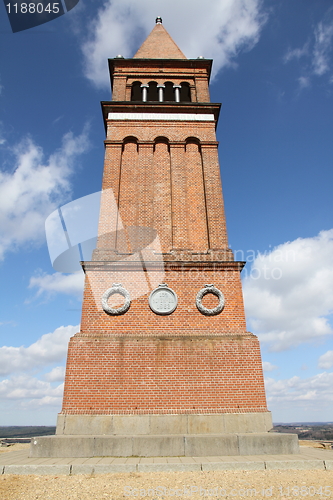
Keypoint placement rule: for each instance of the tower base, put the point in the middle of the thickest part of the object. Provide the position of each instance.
(164, 435)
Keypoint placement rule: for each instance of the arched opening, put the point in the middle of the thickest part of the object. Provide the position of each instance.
(192, 143)
(169, 94)
(185, 92)
(130, 140)
(161, 140)
(136, 93)
(152, 92)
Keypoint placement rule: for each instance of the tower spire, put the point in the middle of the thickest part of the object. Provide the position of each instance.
(159, 45)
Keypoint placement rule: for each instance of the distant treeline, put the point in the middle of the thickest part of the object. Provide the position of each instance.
(18, 431)
(305, 431)
(317, 432)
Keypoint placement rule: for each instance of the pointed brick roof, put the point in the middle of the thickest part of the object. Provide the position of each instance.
(159, 45)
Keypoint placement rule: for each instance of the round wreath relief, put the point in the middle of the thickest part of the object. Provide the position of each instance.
(202, 293)
(116, 288)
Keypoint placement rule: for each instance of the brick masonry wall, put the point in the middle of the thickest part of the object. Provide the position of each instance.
(190, 196)
(139, 319)
(185, 362)
(129, 375)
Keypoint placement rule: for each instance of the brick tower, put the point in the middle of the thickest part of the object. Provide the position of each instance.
(163, 364)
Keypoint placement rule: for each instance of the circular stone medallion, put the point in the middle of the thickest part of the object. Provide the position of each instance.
(163, 300)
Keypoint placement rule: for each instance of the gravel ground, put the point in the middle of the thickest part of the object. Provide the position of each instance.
(221, 485)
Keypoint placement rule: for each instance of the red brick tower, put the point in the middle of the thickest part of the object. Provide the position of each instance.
(173, 371)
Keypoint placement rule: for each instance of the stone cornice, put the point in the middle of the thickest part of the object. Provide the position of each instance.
(190, 108)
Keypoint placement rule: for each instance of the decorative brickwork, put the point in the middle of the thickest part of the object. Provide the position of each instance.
(162, 221)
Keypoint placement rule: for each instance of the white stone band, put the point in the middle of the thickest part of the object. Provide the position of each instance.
(162, 116)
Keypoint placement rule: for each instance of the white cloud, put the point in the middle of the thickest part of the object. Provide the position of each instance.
(57, 374)
(310, 394)
(326, 360)
(289, 292)
(317, 52)
(322, 47)
(304, 82)
(11, 323)
(296, 53)
(26, 387)
(47, 400)
(219, 32)
(28, 391)
(34, 188)
(71, 284)
(23, 388)
(268, 367)
(50, 348)
(2, 135)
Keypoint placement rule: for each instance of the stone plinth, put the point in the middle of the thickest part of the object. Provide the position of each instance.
(164, 435)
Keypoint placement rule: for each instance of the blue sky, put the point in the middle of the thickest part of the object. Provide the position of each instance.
(273, 72)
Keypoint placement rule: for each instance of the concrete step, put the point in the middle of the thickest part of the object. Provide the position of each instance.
(175, 445)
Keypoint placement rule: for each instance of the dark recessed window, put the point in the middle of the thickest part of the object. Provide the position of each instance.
(136, 94)
(169, 93)
(152, 92)
(185, 92)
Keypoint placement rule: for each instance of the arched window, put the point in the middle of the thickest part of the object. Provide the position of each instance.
(136, 94)
(169, 94)
(185, 92)
(152, 92)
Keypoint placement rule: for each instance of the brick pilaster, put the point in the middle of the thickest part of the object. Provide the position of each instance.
(215, 208)
(162, 205)
(179, 197)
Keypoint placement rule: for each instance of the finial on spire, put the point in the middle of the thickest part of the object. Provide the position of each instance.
(158, 20)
